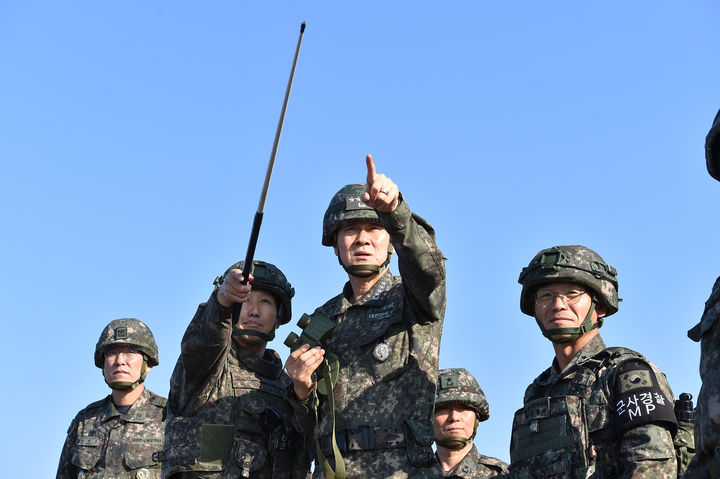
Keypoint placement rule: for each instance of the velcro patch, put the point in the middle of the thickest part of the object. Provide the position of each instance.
(88, 441)
(146, 440)
(355, 203)
(121, 333)
(638, 398)
(448, 382)
(635, 379)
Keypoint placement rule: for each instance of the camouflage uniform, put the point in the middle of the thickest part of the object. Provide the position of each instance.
(229, 410)
(476, 466)
(388, 345)
(457, 385)
(101, 441)
(609, 413)
(607, 443)
(706, 462)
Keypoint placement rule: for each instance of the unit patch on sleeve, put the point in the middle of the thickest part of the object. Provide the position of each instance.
(638, 399)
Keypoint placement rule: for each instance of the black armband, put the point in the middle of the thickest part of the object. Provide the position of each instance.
(638, 398)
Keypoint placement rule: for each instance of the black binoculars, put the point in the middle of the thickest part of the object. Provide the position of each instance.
(316, 332)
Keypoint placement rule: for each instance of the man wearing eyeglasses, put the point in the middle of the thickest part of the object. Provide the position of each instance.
(597, 411)
(121, 435)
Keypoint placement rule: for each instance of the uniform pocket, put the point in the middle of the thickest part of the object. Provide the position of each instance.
(142, 454)
(387, 350)
(249, 455)
(548, 437)
(216, 442)
(86, 453)
(418, 441)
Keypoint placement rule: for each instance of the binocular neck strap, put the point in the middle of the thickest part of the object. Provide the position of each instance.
(339, 472)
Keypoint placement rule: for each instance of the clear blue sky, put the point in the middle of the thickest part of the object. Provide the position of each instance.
(134, 138)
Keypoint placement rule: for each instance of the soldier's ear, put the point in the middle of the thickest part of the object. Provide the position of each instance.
(335, 248)
(601, 310)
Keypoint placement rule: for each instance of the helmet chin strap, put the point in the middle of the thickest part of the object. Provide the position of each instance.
(455, 443)
(573, 333)
(128, 385)
(364, 270)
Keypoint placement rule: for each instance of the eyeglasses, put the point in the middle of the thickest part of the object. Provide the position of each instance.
(545, 298)
(114, 353)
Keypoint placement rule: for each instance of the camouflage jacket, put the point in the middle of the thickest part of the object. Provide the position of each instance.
(608, 414)
(388, 345)
(103, 443)
(707, 414)
(229, 410)
(477, 466)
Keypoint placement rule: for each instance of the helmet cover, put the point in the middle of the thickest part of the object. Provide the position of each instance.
(457, 385)
(268, 277)
(127, 332)
(346, 205)
(569, 264)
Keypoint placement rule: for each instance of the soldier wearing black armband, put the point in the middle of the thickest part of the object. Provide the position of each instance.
(597, 411)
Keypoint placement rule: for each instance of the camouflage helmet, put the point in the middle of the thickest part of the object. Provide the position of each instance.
(346, 205)
(457, 385)
(127, 332)
(570, 264)
(268, 277)
(712, 148)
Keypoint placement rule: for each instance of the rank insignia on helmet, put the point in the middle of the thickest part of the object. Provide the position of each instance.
(121, 333)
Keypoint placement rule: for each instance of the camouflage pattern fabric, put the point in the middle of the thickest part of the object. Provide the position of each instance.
(684, 446)
(707, 412)
(388, 345)
(712, 148)
(457, 385)
(593, 419)
(127, 332)
(346, 205)
(476, 466)
(101, 442)
(229, 413)
(572, 264)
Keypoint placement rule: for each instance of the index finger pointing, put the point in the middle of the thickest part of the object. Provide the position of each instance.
(370, 170)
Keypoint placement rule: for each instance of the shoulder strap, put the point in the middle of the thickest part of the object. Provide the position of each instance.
(611, 355)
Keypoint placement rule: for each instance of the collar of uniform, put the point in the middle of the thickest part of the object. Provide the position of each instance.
(374, 297)
(270, 365)
(137, 412)
(107, 411)
(468, 467)
(593, 347)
